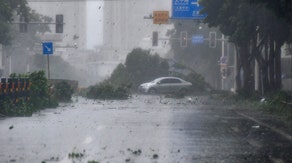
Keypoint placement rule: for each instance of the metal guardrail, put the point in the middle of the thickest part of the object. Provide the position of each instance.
(15, 88)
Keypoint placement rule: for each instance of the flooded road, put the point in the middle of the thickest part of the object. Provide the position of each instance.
(143, 129)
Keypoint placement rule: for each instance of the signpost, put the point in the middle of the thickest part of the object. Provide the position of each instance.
(48, 50)
(160, 17)
(198, 39)
(186, 9)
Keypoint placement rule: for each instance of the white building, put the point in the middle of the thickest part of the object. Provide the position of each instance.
(125, 28)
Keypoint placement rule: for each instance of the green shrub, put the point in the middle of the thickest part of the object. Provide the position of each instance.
(63, 92)
(105, 90)
(39, 91)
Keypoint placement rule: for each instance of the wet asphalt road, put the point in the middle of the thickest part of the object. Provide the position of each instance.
(143, 129)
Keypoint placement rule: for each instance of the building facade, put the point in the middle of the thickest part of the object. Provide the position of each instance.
(125, 28)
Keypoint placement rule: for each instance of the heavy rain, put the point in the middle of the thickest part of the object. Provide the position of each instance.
(145, 81)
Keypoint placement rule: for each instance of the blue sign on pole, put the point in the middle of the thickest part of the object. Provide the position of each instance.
(186, 9)
(196, 39)
(48, 48)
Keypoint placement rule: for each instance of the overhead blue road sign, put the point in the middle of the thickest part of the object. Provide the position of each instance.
(48, 48)
(186, 9)
(196, 39)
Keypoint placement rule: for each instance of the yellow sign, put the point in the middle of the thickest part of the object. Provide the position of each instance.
(160, 17)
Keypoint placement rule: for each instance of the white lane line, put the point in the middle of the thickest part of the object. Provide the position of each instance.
(282, 133)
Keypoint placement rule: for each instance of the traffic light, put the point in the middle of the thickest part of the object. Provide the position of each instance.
(224, 73)
(183, 39)
(59, 23)
(212, 39)
(155, 38)
(22, 25)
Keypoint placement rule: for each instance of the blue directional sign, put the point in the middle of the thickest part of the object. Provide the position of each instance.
(197, 39)
(186, 9)
(48, 48)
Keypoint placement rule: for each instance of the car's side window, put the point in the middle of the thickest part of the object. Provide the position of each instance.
(166, 81)
(176, 81)
(163, 81)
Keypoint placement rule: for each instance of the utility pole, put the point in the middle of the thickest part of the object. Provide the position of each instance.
(225, 69)
(1, 57)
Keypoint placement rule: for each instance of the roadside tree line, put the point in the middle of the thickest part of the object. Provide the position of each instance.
(258, 28)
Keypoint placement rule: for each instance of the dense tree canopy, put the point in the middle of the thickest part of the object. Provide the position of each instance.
(8, 9)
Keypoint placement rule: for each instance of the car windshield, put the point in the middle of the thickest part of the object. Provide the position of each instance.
(145, 81)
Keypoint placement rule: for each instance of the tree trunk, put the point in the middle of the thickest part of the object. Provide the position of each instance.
(238, 70)
(265, 70)
(247, 73)
(271, 66)
(278, 72)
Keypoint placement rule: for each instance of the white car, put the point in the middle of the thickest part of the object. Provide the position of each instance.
(165, 85)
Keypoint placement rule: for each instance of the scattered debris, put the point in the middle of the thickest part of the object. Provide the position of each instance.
(92, 161)
(104, 148)
(190, 99)
(155, 156)
(54, 159)
(256, 126)
(128, 160)
(135, 152)
(75, 155)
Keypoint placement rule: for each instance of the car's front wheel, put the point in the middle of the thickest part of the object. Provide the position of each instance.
(182, 92)
(152, 91)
